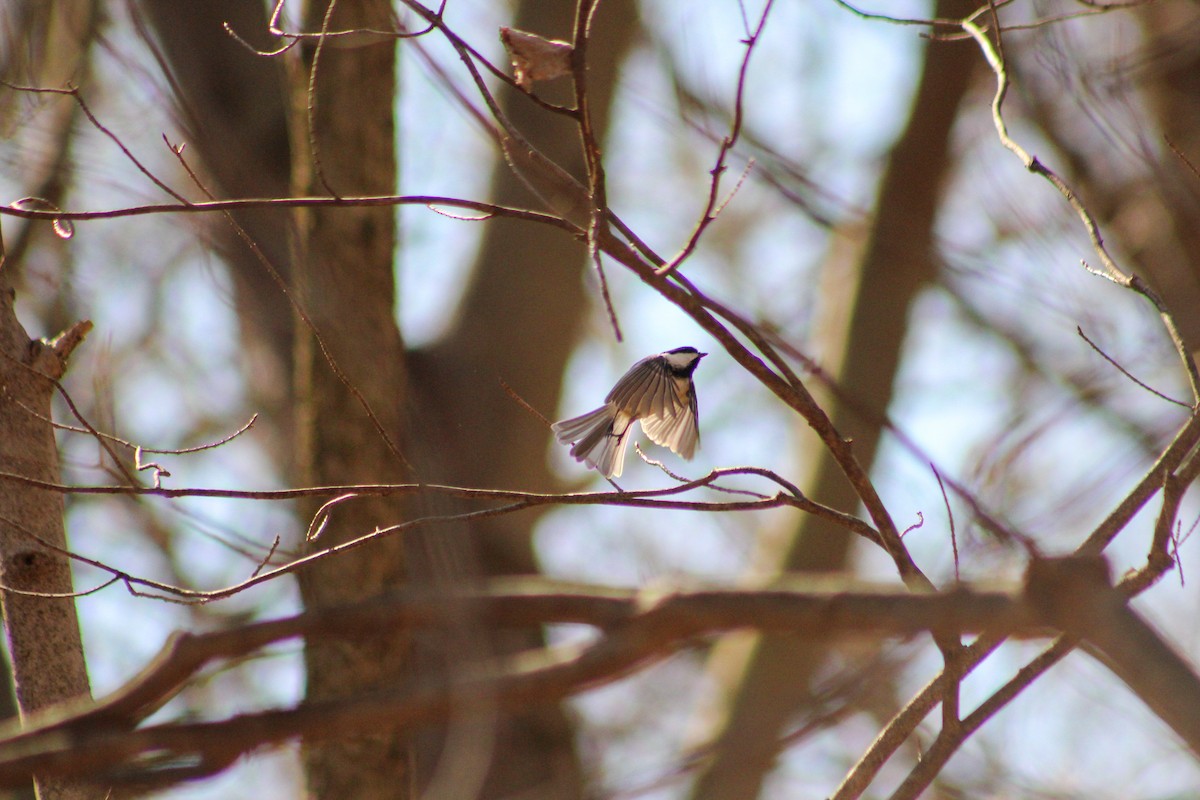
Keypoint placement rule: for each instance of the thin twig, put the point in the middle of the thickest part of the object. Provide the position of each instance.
(301, 312)
(220, 206)
(593, 159)
(293, 38)
(522, 402)
(949, 517)
(714, 204)
(179, 451)
(1110, 270)
(77, 96)
(511, 501)
(653, 462)
(310, 110)
(61, 595)
(266, 560)
(1126, 372)
(1187, 162)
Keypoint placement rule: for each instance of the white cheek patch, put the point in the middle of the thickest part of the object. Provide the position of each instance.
(680, 360)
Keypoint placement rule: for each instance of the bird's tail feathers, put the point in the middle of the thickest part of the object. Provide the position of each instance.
(595, 440)
(572, 430)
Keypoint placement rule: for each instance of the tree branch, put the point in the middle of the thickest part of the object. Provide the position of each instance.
(98, 740)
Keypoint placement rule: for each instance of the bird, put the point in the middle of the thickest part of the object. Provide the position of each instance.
(657, 391)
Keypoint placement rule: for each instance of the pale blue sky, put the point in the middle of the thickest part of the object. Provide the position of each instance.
(829, 91)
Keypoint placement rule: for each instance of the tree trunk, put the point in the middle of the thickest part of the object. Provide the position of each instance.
(42, 629)
(234, 107)
(345, 282)
(520, 319)
(769, 678)
(519, 322)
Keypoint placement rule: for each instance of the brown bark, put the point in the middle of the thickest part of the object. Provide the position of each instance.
(345, 282)
(769, 678)
(42, 631)
(48, 45)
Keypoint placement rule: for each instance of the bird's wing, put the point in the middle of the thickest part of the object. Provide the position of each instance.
(678, 430)
(647, 390)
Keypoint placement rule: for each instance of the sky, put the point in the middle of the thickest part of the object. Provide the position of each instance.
(830, 91)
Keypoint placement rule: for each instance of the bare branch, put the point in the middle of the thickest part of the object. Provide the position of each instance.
(97, 739)
(711, 208)
(511, 501)
(491, 209)
(1126, 372)
(1080, 600)
(1110, 270)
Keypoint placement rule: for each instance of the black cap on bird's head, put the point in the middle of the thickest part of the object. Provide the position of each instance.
(683, 360)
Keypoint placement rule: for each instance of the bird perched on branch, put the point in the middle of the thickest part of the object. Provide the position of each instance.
(657, 391)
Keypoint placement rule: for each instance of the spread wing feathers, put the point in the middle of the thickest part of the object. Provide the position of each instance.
(647, 390)
(599, 438)
(679, 430)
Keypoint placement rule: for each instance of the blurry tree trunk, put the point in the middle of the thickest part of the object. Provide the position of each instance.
(768, 679)
(520, 318)
(1159, 220)
(42, 632)
(519, 322)
(234, 107)
(344, 277)
(238, 109)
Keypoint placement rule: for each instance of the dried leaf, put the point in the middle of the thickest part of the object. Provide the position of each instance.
(535, 58)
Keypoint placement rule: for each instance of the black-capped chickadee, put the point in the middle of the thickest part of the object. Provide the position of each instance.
(658, 391)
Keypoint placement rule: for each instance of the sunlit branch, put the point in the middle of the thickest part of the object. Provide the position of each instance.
(1110, 269)
(490, 209)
